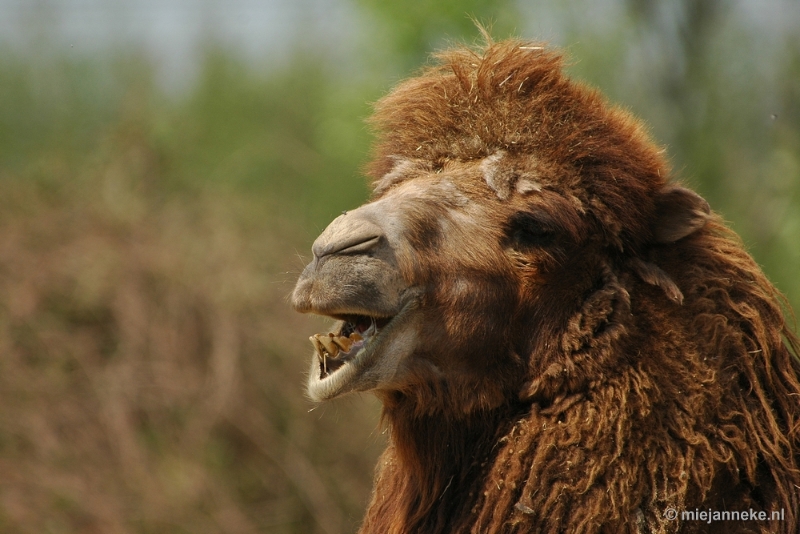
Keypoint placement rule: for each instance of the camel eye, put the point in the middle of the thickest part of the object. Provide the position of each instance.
(526, 231)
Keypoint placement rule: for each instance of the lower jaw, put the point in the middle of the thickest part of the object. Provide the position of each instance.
(363, 370)
(332, 385)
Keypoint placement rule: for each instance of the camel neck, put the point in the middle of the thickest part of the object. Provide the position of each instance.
(439, 461)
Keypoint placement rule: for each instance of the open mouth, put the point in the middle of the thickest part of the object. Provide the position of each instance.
(335, 350)
(362, 351)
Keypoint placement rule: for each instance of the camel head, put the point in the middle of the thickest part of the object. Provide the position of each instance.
(508, 203)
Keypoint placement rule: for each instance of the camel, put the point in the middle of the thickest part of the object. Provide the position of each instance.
(564, 339)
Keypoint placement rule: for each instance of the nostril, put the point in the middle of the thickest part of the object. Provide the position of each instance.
(354, 245)
(365, 245)
(351, 234)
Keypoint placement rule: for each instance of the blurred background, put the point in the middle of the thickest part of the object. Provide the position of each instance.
(164, 168)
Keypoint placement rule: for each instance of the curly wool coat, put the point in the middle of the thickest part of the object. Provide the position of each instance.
(639, 363)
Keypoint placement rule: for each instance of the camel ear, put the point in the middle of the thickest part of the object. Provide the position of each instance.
(679, 212)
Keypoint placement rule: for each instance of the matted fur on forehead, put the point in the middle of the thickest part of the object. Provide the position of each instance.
(512, 98)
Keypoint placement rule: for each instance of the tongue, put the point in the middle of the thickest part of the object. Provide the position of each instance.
(363, 324)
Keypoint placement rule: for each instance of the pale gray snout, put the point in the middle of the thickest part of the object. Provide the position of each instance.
(354, 270)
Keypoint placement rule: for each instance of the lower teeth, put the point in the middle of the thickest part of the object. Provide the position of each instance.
(332, 345)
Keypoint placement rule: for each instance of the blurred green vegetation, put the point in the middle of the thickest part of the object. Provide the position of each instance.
(151, 370)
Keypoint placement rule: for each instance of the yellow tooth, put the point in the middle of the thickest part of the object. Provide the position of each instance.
(329, 345)
(322, 352)
(355, 337)
(317, 345)
(343, 343)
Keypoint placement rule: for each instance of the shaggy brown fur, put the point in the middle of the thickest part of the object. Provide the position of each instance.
(600, 347)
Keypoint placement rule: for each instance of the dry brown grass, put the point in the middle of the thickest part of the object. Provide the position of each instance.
(151, 371)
